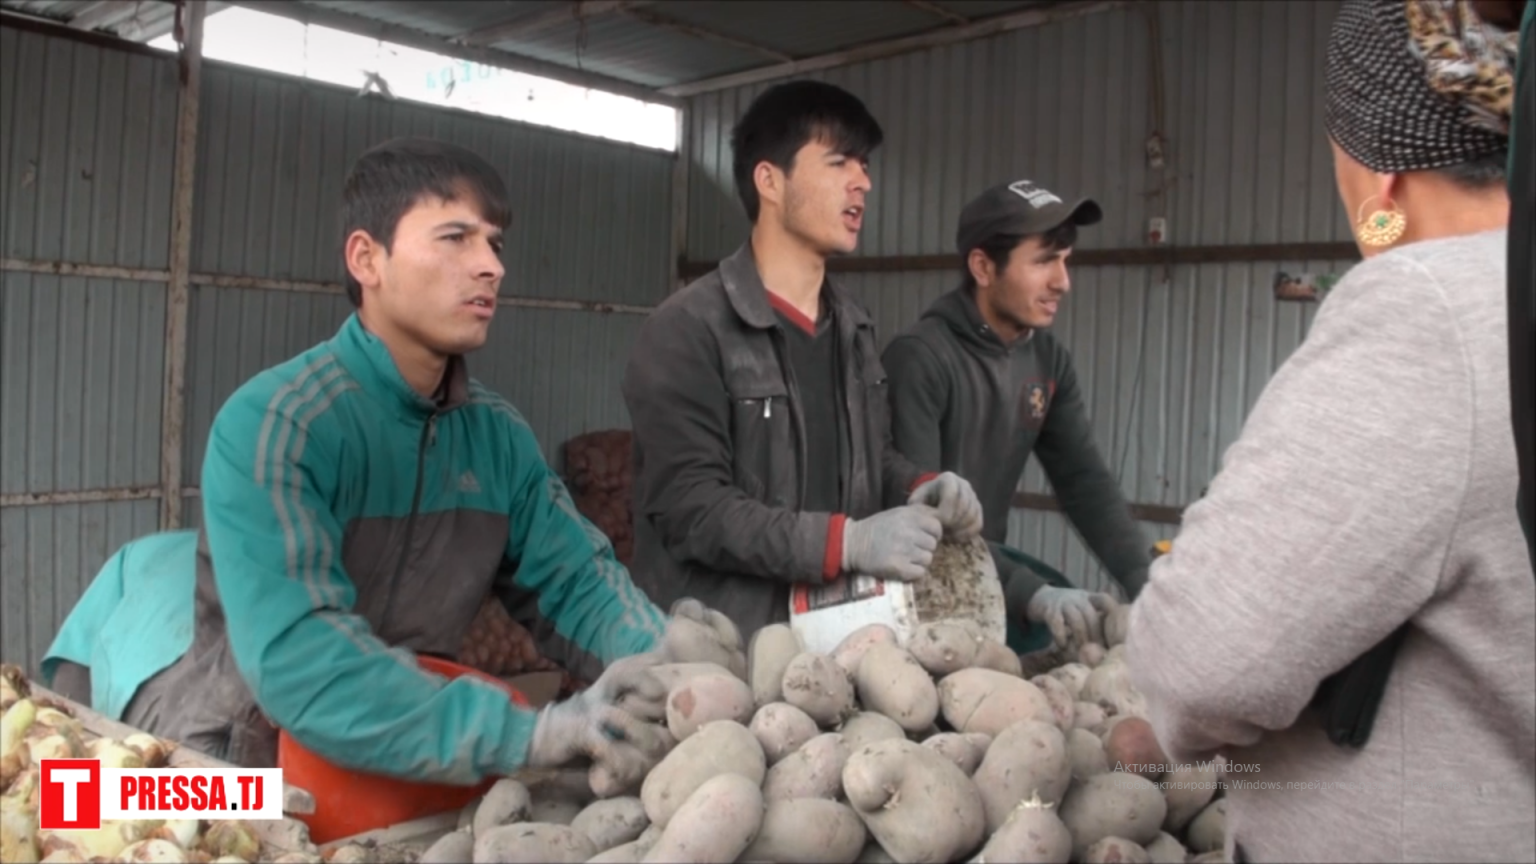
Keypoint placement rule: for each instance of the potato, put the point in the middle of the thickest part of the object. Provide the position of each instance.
(627, 853)
(716, 823)
(1032, 834)
(808, 831)
(612, 822)
(451, 848)
(850, 651)
(819, 687)
(999, 657)
(918, 805)
(554, 811)
(782, 728)
(1131, 746)
(768, 655)
(867, 727)
(1115, 653)
(874, 853)
(987, 701)
(892, 682)
(1027, 759)
(1166, 849)
(1073, 675)
(720, 747)
(532, 842)
(1112, 805)
(1086, 753)
(1215, 856)
(1062, 703)
(942, 647)
(1117, 621)
(505, 802)
(965, 750)
(1088, 715)
(1187, 791)
(706, 643)
(1116, 850)
(705, 698)
(673, 674)
(1208, 831)
(1110, 686)
(1091, 655)
(813, 771)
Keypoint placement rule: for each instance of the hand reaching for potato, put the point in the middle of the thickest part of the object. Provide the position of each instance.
(622, 745)
(1074, 616)
(698, 634)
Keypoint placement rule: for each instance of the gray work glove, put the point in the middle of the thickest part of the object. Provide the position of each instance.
(1073, 615)
(697, 634)
(894, 544)
(952, 496)
(622, 745)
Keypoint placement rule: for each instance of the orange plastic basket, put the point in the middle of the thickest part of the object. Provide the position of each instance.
(351, 802)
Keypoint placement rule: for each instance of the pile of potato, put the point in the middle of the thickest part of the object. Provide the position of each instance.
(597, 471)
(33, 728)
(938, 750)
(498, 645)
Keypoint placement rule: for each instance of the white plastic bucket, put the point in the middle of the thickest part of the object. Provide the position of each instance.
(962, 582)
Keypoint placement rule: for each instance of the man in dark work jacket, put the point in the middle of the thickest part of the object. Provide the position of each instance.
(762, 447)
(978, 383)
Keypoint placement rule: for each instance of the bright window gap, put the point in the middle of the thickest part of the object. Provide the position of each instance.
(278, 44)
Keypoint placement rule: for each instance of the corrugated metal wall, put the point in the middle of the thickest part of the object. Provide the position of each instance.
(85, 178)
(591, 221)
(1171, 367)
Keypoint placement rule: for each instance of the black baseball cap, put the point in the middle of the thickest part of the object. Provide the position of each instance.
(1018, 208)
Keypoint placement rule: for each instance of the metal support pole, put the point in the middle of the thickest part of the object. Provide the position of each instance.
(190, 15)
(681, 169)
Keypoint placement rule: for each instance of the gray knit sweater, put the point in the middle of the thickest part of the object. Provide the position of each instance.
(1373, 484)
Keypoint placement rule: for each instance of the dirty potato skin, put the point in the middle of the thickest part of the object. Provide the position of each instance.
(782, 728)
(850, 652)
(1033, 834)
(533, 843)
(813, 771)
(808, 831)
(815, 684)
(720, 747)
(892, 682)
(1112, 805)
(919, 806)
(705, 698)
(717, 823)
(1027, 759)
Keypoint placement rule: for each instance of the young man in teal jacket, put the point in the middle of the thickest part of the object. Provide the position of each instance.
(359, 502)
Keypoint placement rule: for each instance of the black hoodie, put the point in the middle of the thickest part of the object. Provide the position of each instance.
(963, 401)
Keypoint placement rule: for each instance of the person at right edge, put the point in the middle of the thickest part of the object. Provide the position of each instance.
(1367, 502)
(1507, 14)
(979, 383)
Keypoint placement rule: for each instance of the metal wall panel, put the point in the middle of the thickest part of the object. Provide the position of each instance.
(1069, 104)
(85, 158)
(591, 218)
(559, 368)
(49, 555)
(1170, 363)
(81, 366)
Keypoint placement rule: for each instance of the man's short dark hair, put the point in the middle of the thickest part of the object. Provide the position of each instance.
(787, 117)
(391, 178)
(1000, 248)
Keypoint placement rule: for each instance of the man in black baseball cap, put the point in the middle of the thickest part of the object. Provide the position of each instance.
(979, 383)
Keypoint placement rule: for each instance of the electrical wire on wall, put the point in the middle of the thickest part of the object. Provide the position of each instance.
(1159, 163)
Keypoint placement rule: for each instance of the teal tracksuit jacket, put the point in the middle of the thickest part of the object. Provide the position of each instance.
(348, 524)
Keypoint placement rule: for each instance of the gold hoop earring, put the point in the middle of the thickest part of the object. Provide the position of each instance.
(1382, 227)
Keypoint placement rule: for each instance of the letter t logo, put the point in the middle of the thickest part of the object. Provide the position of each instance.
(71, 794)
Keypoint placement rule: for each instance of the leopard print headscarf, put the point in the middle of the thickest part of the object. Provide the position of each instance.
(1418, 84)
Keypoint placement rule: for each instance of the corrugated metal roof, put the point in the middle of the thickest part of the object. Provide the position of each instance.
(637, 42)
